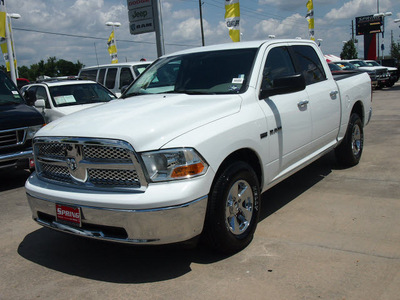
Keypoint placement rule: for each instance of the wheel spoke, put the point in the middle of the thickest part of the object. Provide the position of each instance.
(239, 207)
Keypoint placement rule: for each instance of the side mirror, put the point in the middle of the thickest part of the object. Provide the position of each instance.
(30, 97)
(40, 103)
(124, 88)
(284, 85)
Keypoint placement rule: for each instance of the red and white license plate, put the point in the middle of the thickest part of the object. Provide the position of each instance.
(69, 214)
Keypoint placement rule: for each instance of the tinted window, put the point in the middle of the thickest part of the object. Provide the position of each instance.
(125, 77)
(8, 91)
(309, 63)
(278, 64)
(88, 74)
(110, 79)
(102, 73)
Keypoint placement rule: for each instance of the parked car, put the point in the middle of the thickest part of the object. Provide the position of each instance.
(381, 73)
(114, 76)
(196, 140)
(57, 98)
(348, 67)
(18, 124)
(393, 72)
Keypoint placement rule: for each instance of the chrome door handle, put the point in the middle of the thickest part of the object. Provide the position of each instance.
(333, 94)
(303, 103)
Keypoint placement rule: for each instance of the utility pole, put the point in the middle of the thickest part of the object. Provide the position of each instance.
(201, 23)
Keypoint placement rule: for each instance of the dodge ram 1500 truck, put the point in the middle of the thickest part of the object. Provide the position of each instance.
(195, 141)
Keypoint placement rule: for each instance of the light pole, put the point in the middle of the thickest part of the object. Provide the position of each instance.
(13, 16)
(113, 25)
(382, 15)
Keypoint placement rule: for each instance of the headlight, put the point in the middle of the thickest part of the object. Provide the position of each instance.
(173, 164)
(32, 130)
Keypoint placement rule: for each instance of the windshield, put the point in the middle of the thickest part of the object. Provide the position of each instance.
(76, 94)
(8, 91)
(359, 63)
(373, 64)
(214, 72)
(345, 66)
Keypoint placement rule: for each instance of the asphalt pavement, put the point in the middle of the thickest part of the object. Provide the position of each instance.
(324, 233)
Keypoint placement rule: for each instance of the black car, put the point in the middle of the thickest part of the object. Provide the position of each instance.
(18, 124)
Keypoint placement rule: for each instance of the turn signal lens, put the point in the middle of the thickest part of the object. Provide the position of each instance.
(185, 171)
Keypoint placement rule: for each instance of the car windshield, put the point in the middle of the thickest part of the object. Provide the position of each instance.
(334, 67)
(345, 66)
(213, 72)
(373, 64)
(8, 91)
(360, 63)
(76, 94)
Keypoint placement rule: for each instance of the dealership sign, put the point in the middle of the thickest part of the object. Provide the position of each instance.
(140, 13)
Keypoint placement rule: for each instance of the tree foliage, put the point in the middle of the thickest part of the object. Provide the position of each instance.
(395, 51)
(52, 68)
(349, 50)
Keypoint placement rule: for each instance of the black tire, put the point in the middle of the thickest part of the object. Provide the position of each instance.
(350, 149)
(233, 209)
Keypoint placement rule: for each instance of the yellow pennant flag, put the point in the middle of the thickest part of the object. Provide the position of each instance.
(2, 24)
(112, 48)
(232, 19)
(310, 18)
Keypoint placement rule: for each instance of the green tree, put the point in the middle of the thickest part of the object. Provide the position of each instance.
(52, 68)
(395, 50)
(349, 50)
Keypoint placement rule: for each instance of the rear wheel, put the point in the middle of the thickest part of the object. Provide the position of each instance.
(349, 151)
(233, 209)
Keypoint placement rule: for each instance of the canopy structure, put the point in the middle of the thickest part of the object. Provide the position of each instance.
(331, 57)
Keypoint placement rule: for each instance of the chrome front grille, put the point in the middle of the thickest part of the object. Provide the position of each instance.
(89, 163)
(12, 137)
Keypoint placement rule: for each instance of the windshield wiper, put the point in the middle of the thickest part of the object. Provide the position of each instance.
(188, 92)
(130, 95)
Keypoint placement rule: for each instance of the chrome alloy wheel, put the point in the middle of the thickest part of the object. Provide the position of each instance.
(356, 140)
(239, 207)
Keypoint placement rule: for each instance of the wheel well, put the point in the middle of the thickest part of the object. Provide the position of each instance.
(358, 108)
(246, 155)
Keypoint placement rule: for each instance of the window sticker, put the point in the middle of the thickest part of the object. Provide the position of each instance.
(238, 80)
(65, 99)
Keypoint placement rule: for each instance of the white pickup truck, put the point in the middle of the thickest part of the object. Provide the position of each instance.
(196, 140)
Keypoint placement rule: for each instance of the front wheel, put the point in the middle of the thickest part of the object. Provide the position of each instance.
(349, 151)
(233, 209)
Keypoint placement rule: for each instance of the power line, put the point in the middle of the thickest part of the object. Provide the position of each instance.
(96, 38)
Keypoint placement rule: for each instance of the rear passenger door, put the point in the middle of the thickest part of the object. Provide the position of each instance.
(323, 95)
(288, 116)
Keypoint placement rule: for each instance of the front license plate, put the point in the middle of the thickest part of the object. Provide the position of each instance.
(69, 215)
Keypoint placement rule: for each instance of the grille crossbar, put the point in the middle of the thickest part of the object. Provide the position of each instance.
(89, 163)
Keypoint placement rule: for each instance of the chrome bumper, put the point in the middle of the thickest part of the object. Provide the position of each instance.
(11, 159)
(153, 226)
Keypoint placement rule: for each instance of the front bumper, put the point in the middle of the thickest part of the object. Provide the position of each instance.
(16, 159)
(135, 226)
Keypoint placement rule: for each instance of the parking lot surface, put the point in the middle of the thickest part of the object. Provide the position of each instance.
(324, 233)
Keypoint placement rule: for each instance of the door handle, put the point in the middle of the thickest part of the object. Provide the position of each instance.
(333, 94)
(303, 103)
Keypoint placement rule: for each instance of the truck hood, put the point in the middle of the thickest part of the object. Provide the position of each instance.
(18, 115)
(146, 122)
(66, 110)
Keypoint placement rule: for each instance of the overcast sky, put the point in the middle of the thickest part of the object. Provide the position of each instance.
(46, 26)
